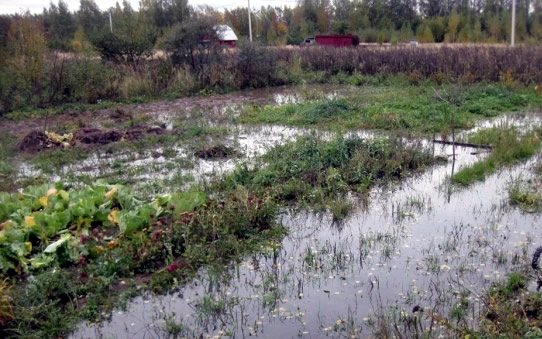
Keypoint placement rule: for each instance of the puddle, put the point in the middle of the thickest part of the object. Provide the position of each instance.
(414, 243)
(165, 163)
(522, 121)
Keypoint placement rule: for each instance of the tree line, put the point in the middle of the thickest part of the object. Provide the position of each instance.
(138, 30)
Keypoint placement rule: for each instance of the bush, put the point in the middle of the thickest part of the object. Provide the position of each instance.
(118, 49)
(191, 43)
(257, 65)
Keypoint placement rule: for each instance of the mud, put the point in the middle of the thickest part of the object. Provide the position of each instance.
(97, 136)
(217, 109)
(34, 142)
(37, 141)
(138, 132)
(216, 152)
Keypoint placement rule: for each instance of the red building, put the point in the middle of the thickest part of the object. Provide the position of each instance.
(337, 40)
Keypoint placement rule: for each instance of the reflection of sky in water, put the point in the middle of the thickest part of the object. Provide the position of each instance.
(418, 242)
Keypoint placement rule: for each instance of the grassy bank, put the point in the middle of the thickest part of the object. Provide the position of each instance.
(397, 104)
(509, 147)
(72, 253)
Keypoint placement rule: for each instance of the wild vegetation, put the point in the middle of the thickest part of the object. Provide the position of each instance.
(85, 247)
(122, 64)
(398, 106)
(527, 193)
(509, 147)
(77, 248)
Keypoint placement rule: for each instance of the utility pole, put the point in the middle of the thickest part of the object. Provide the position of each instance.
(110, 21)
(513, 37)
(250, 22)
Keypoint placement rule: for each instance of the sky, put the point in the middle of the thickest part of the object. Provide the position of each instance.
(36, 6)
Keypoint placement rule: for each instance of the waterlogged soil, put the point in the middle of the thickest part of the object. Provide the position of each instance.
(153, 169)
(215, 109)
(418, 244)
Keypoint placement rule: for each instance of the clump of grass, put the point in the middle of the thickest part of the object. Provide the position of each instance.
(511, 311)
(509, 147)
(340, 208)
(527, 194)
(320, 174)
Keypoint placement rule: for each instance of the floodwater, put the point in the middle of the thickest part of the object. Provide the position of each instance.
(420, 242)
(165, 165)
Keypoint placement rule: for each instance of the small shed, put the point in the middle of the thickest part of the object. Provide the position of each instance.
(226, 35)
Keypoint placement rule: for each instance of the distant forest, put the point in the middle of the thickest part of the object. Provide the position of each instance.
(373, 20)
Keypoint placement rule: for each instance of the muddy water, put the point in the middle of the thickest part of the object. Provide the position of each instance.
(161, 164)
(419, 242)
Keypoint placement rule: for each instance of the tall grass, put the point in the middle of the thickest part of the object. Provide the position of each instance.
(88, 80)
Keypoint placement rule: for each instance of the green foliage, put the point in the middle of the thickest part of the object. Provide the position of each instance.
(131, 39)
(510, 310)
(59, 25)
(45, 224)
(191, 43)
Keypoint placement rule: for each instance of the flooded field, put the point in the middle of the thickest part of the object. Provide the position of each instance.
(422, 244)
(413, 255)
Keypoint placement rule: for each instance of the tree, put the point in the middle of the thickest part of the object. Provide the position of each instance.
(59, 25)
(133, 37)
(91, 18)
(453, 27)
(25, 65)
(425, 34)
(191, 43)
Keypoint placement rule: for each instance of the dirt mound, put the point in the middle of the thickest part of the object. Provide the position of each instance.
(138, 132)
(34, 142)
(121, 115)
(97, 136)
(216, 152)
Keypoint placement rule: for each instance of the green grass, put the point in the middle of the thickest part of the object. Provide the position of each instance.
(399, 106)
(509, 147)
(510, 311)
(527, 194)
(319, 174)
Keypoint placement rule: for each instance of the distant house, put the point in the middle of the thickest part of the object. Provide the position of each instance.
(226, 35)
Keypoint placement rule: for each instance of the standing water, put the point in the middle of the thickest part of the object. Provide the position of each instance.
(421, 243)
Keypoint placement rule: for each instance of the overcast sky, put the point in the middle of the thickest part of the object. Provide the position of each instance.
(36, 6)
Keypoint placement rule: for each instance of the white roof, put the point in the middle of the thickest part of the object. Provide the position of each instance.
(225, 33)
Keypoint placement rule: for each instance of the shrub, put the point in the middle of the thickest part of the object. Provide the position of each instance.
(257, 65)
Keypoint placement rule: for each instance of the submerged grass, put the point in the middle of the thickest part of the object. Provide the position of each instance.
(509, 147)
(399, 106)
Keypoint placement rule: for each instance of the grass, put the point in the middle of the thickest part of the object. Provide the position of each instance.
(319, 174)
(7, 147)
(399, 106)
(527, 193)
(509, 147)
(511, 311)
